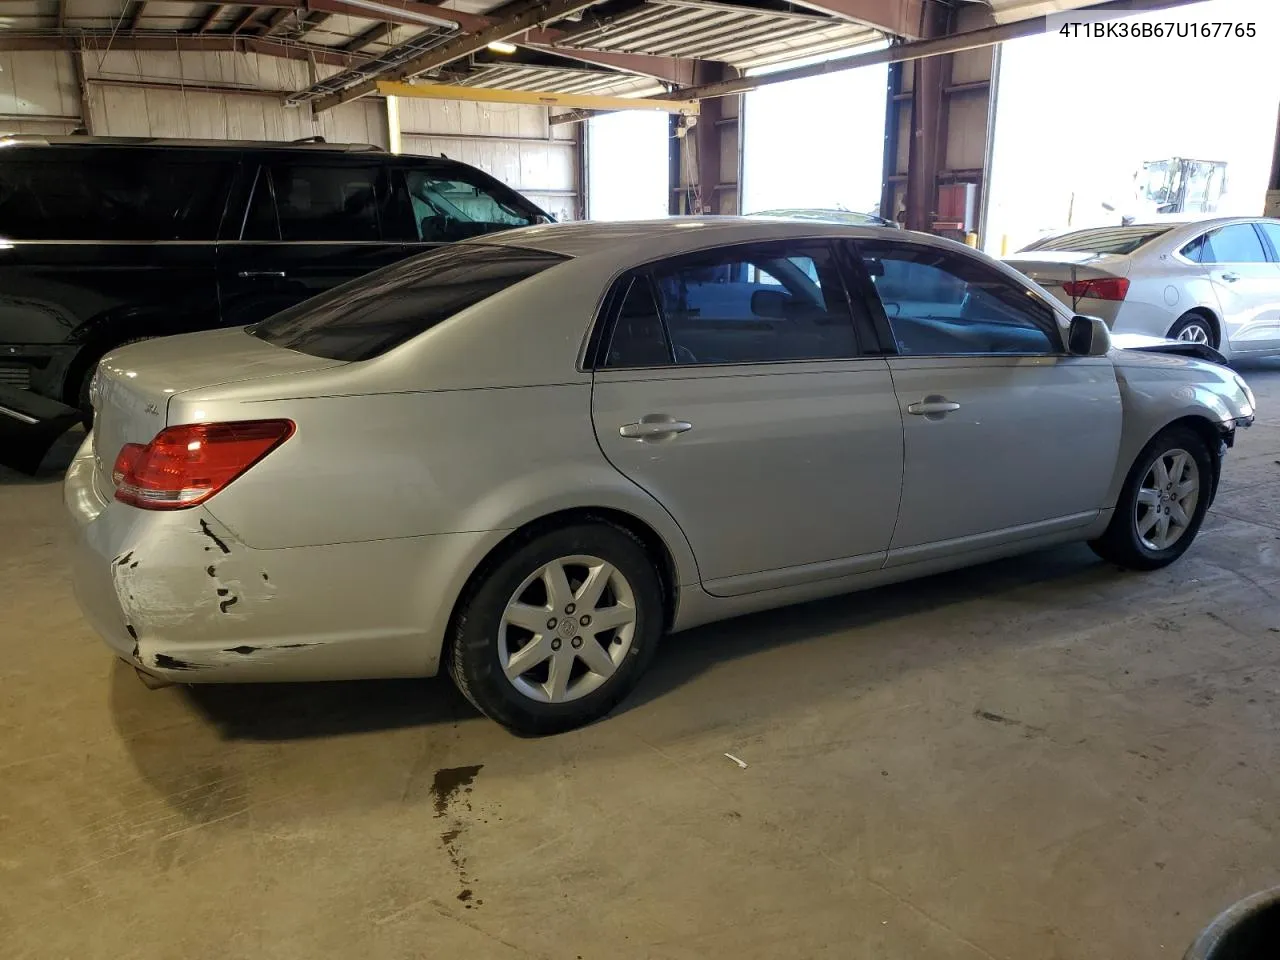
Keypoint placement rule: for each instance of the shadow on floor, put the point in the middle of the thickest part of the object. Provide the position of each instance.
(282, 712)
(52, 466)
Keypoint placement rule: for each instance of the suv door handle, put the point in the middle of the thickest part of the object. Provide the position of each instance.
(1230, 277)
(653, 427)
(933, 406)
(251, 274)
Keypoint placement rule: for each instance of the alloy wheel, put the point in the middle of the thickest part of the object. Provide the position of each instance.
(1194, 333)
(1167, 499)
(566, 629)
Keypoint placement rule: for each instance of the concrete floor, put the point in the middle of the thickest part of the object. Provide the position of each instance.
(1042, 758)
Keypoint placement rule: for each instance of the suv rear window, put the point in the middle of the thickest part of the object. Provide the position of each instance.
(110, 194)
(1106, 240)
(370, 315)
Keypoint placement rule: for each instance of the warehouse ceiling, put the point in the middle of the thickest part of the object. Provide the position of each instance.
(564, 46)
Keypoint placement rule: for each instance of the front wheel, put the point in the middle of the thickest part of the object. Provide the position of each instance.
(560, 630)
(1162, 504)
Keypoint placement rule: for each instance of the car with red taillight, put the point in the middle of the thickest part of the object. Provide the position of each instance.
(525, 458)
(1213, 282)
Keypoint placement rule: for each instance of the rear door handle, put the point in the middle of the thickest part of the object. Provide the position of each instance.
(653, 427)
(1231, 277)
(933, 406)
(252, 274)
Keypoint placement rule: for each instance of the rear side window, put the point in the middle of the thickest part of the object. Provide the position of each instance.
(111, 194)
(370, 315)
(295, 202)
(1237, 243)
(1272, 233)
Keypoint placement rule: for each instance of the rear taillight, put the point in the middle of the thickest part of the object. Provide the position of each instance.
(188, 464)
(1098, 288)
(125, 460)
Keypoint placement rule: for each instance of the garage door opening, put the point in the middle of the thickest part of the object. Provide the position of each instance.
(815, 143)
(628, 170)
(1120, 132)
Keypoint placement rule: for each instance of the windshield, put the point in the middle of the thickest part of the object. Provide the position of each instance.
(1105, 240)
(370, 315)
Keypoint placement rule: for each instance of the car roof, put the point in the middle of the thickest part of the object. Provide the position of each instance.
(635, 239)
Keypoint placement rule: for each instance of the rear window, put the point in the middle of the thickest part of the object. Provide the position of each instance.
(369, 316)
(1111, 240)
(110, 194)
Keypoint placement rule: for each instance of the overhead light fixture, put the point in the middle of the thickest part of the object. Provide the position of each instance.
(502, 46)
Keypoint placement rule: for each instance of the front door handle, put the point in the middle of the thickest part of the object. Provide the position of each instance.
(252, 274)
(933, 407)
(653, 427)
(1231, 277)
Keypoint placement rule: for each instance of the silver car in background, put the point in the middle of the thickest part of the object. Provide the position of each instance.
(525, 458)
(1215, 282)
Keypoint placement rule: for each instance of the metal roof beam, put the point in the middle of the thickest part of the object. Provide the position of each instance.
(210, 15)
(376, 32)
(443, 91)
(461, 47)
(219, 42)
(135, 14)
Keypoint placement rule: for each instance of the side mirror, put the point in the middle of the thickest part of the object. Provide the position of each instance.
(1088, 337)
(770, 303)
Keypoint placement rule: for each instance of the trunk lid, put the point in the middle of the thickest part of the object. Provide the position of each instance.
(134, 384)
(1052, 268)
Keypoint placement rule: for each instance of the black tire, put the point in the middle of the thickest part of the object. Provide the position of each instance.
(473, 658)
(1121, 543)
(1189, 320)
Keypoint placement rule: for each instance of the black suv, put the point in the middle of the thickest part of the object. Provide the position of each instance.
(106, 241)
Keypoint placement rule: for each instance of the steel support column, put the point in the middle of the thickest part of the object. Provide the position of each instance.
(707, 141)
(925, 147)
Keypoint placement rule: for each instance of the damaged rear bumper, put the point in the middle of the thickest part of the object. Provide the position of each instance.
(178, 596)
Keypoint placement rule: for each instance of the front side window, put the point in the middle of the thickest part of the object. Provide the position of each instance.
(1236, 243)
(372, 314)
(447, 207)
(753, 304)
(939, 303)
(112, 194)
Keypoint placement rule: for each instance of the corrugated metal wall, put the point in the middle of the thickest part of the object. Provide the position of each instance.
(167, 95)
(38, 93)
(517, 144)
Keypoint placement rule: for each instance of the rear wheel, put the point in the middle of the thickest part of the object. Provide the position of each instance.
(1162, 504)
(1195, 328)
(559, 632)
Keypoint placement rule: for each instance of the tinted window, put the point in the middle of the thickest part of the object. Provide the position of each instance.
(111, 194)
(1237, 243)
(1194, 250)
(755, 305)
(638, 338)
(337, 203)
(1272, 231)
(1103, 240)
(941, 303)
(380, 310)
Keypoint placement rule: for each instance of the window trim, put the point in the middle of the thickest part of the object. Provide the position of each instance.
(876, 306)
(262, 180)
(597, 351)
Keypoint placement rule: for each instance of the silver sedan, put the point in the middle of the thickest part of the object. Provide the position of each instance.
(527, 458)
(1215, 282)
